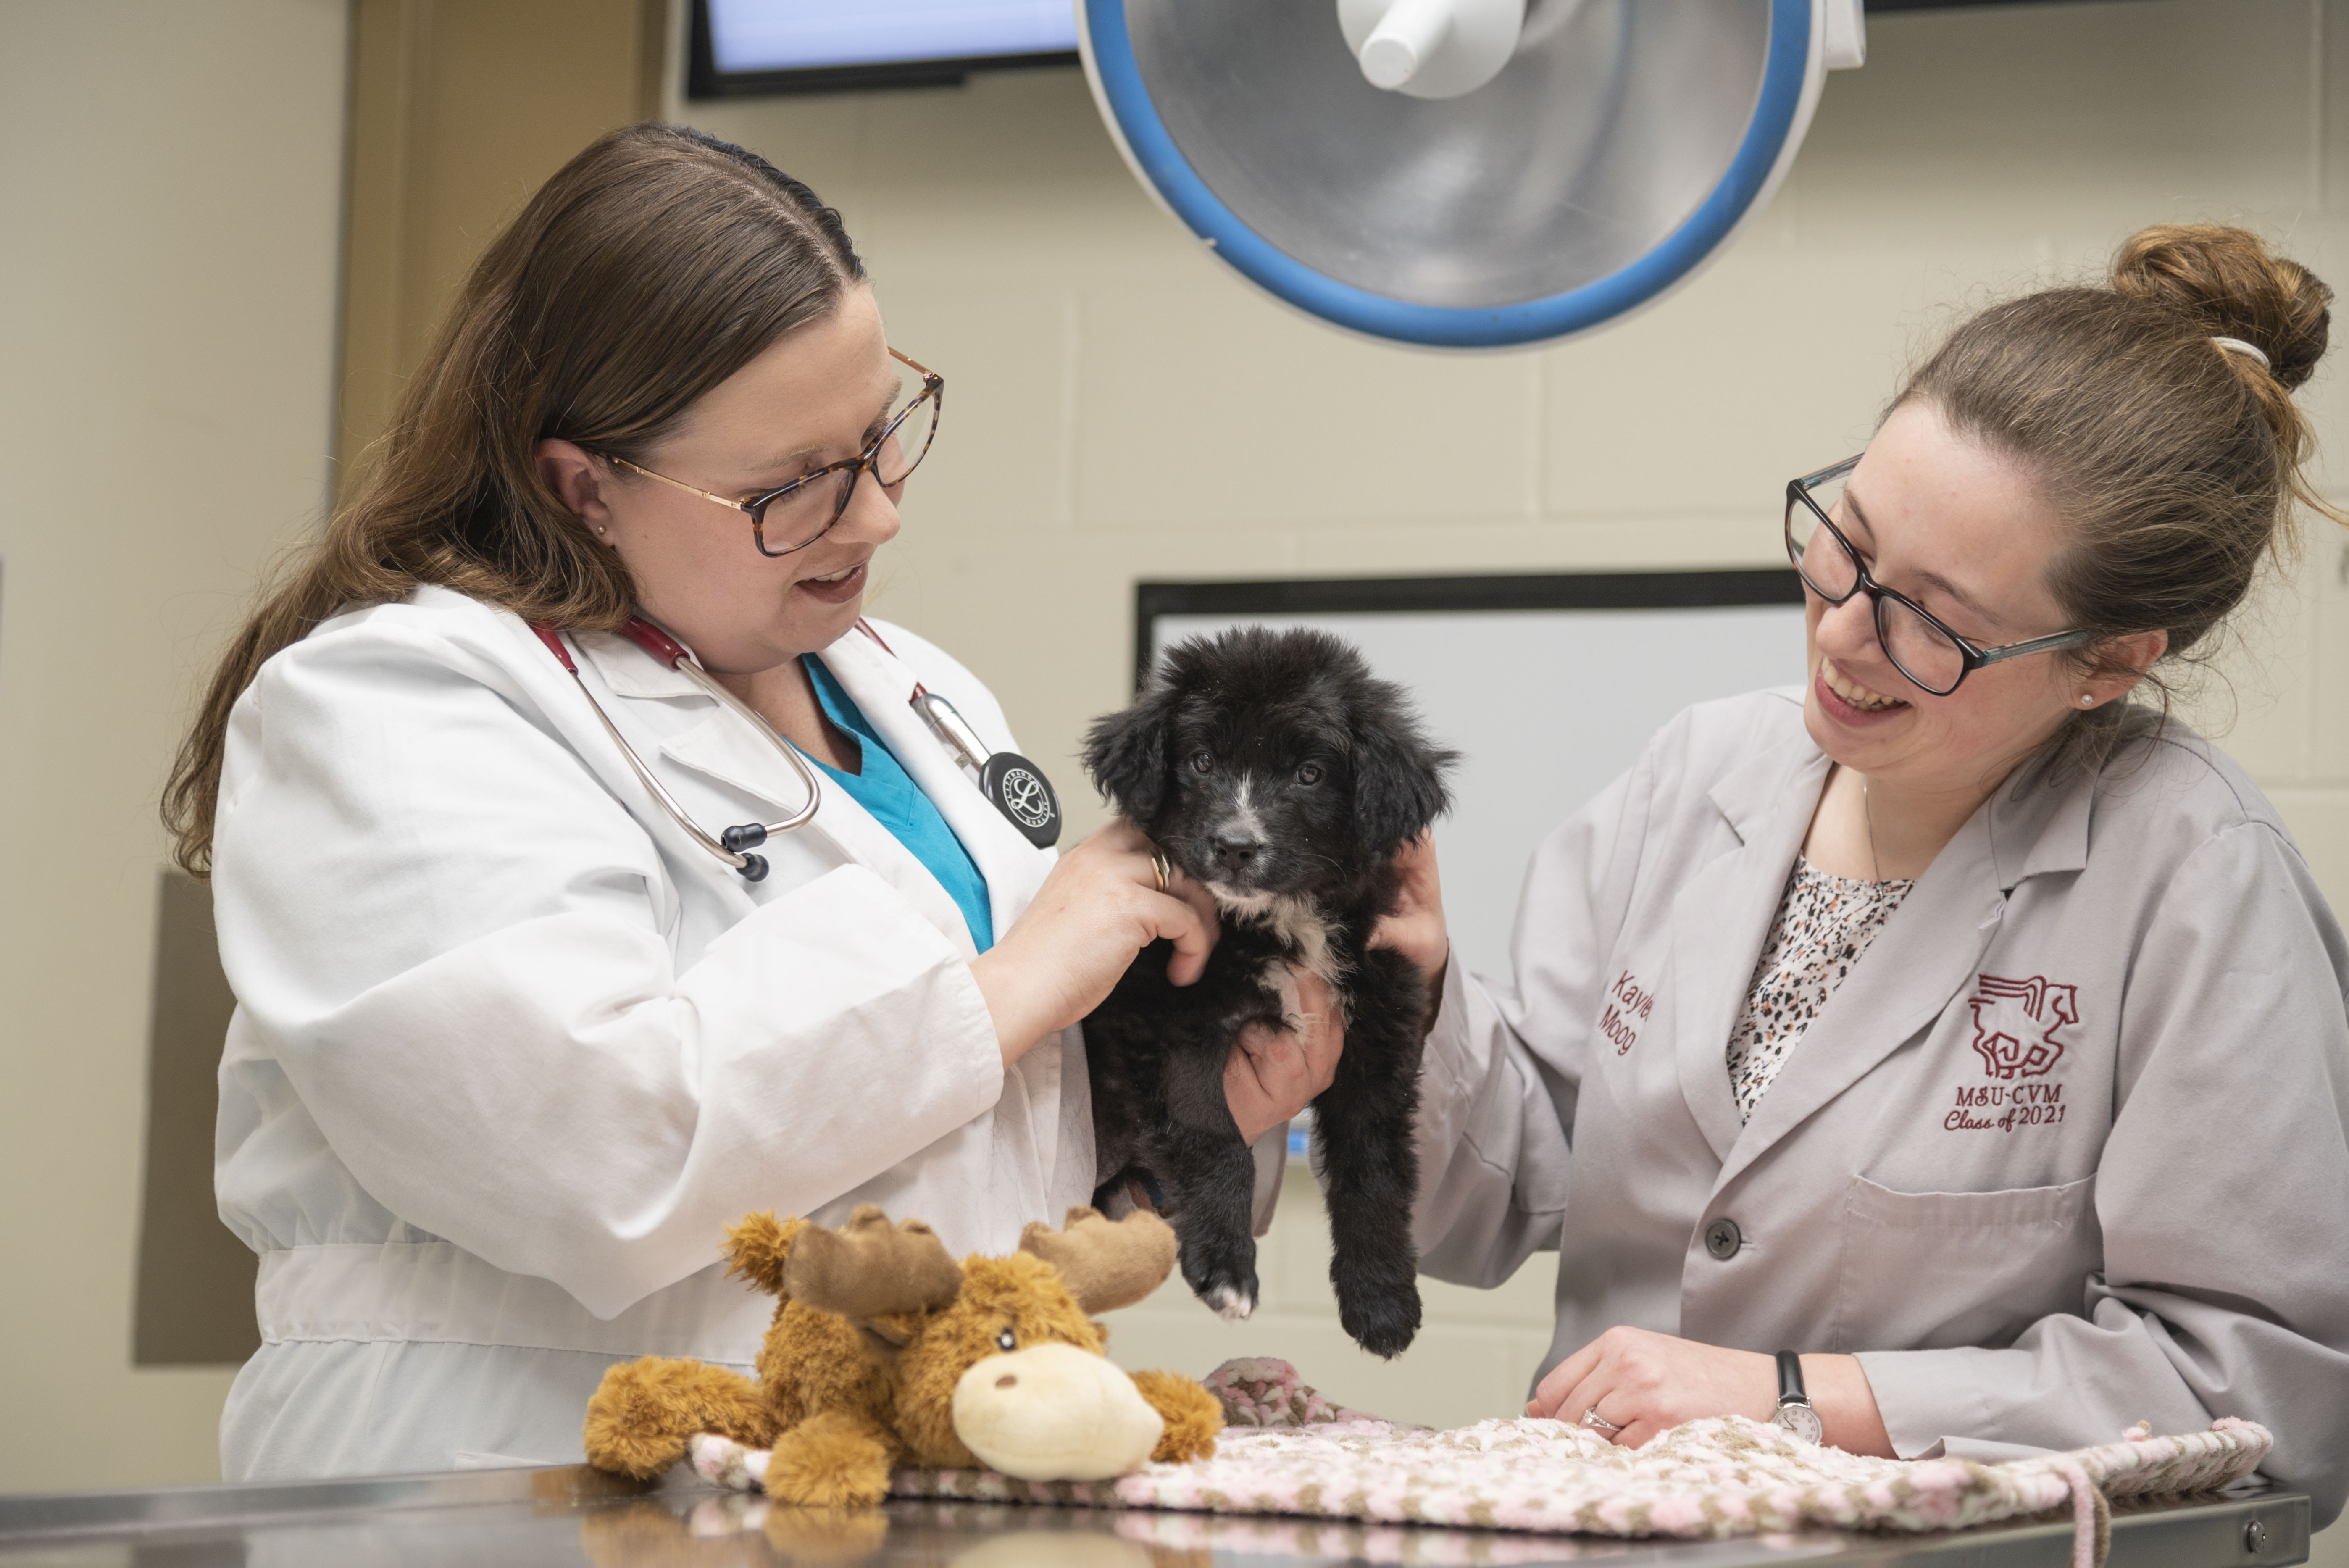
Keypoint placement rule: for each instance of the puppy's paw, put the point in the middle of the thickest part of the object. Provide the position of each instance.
(1233, 1304)
(1384, 1323)
(1225, 1279)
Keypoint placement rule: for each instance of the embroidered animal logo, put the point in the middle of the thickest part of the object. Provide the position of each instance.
(2016, 1022)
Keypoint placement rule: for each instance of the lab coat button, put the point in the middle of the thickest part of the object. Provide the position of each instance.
(1723, 1238)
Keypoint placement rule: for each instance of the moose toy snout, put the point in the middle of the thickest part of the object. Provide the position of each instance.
(1054, 1412)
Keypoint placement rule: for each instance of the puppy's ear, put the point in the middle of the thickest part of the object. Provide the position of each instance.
(1125, 753)
(1398, 772)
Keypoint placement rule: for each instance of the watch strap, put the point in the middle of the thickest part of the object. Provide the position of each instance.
(1790, 1378)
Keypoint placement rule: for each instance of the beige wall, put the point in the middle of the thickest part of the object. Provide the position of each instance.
(458, 111)
(1124, 407)
(171, 184)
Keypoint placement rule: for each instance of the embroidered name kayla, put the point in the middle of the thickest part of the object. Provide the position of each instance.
(1627, 1006)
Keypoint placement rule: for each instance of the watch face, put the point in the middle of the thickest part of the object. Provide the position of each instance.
(1800, 1419)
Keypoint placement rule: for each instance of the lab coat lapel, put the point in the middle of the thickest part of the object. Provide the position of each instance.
(861, 839)
(723, 747)
(1719, 918)
(1925, 953)
(883, 687)
(630, 672)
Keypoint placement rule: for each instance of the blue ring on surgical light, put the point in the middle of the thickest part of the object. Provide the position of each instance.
(1457, 326)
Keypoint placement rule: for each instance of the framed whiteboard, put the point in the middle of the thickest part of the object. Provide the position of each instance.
(1547, 685)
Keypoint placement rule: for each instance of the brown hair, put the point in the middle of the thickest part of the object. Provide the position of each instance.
(651, 267)
(2175, 461)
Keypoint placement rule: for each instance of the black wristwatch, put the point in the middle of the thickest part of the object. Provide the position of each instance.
(1795, 1412)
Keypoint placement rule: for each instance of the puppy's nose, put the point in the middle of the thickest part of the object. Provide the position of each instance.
(1235, 848)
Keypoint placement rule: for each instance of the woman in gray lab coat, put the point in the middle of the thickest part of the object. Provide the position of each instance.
(1958, 1022)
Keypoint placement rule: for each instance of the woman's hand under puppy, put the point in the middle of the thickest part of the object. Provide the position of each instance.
(1416, 927)
(1645, 1383)
(1276, 1073)
(1099, 906)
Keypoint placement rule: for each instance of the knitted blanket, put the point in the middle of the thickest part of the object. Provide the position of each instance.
(1288, 1451)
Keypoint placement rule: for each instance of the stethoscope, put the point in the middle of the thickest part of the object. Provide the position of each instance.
(1012, 784)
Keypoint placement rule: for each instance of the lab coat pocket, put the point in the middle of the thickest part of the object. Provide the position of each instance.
(1924, 1270)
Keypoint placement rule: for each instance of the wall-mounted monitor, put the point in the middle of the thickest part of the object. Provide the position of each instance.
(748, 48)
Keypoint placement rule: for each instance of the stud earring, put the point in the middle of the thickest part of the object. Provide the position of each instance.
(599, 533)
(2086, 699)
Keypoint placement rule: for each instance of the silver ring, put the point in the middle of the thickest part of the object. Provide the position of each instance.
(1591, 1417)
(1163, 866)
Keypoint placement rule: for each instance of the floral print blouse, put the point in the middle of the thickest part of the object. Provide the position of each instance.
(1824, 924)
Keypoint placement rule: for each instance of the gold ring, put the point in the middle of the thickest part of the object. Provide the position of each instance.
(1165, 867)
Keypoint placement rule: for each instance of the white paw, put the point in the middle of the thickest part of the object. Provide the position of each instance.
(1230, 1304)
(710, 1454)
(722, 1461)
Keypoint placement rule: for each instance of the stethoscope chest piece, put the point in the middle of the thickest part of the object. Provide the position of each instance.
(1018, 789)
(1011, 784)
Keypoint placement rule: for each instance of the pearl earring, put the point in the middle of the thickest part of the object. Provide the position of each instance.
(599, 533)
(2086, 699)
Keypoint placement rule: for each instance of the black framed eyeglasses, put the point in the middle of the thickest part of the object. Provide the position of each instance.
(1931, 655)
(792, 516)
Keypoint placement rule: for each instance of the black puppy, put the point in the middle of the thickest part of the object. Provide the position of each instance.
(1274, 769)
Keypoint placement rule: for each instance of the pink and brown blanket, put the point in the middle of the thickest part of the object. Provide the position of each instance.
(1290, 1451)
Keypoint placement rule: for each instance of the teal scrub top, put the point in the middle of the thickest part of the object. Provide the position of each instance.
(897, 804)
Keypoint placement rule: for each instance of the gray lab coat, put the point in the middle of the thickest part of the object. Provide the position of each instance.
(2064, 1152)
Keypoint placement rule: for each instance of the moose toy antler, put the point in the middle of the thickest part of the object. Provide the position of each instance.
(884, 1351)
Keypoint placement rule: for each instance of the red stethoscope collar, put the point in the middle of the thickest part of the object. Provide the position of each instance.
(638, 630)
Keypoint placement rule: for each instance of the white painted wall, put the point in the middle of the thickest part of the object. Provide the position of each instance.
(171, 182)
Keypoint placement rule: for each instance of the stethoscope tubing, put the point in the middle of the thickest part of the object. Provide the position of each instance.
(1015, 785)
(735, 845)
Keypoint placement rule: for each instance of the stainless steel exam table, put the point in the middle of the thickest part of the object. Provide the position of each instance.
(571, 1514)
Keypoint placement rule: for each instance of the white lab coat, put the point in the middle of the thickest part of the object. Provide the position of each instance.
(2115, 1189)
(511, 1049)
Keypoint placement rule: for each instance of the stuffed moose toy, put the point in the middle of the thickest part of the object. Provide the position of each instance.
(884, 1351)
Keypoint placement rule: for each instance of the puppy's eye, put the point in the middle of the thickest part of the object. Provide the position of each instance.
(1006, 1340)
(1310, 773)
(1201, 763)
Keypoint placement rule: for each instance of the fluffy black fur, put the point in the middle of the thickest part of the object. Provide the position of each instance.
(1274, 769)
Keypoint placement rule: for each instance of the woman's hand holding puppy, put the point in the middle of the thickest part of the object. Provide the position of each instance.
(1099, 907)
(1416, 927)
(1102, 905)
(1276, 1073)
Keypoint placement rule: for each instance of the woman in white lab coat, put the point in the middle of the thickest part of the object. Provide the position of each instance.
(1954, 1023)
(511, 1046)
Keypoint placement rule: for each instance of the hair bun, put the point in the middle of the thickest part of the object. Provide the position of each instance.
(2228, 282)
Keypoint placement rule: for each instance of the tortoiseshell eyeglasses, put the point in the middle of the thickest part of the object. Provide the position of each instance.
(792, 516)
